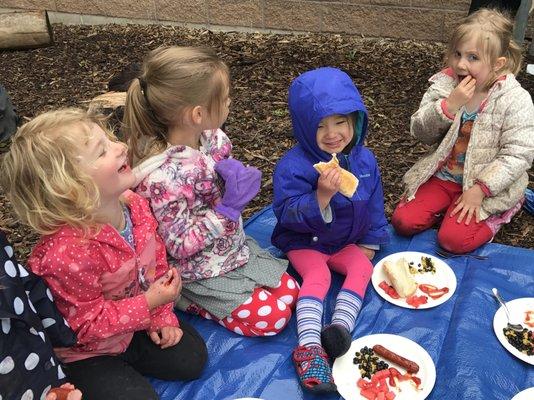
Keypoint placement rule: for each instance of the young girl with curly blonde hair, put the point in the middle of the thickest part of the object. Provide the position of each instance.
(68, 179)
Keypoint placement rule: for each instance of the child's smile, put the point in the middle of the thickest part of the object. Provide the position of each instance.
(124, 167)
(334, 133)
(106, 162)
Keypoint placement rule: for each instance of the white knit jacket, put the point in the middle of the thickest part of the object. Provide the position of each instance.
(500, 149)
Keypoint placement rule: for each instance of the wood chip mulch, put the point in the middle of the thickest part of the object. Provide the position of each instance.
(391, 75)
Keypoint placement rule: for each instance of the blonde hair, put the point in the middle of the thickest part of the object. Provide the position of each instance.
(41, 174)
(173, 80)
(494, 33)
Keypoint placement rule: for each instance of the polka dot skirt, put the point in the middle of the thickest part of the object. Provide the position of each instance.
(265, 313)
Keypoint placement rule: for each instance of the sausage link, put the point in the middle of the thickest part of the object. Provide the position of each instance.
(410, 366)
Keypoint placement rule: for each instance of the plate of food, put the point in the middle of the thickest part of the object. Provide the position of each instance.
(412, 279)
(383, 363)
(520, 344)
(527, 394)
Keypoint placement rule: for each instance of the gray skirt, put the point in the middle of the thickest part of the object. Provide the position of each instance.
(223, 294)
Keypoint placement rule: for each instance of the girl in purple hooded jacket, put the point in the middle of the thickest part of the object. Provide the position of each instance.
(319, 228)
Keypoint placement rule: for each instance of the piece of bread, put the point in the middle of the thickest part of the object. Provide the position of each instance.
(349, 182)
(400, 277)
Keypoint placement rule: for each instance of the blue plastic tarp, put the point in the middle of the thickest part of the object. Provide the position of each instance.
(458, 335)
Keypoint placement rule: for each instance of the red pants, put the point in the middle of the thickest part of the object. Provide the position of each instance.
(433, 199)
(265, 313)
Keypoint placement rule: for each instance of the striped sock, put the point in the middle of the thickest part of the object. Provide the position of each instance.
(348, 305)
(309, 318)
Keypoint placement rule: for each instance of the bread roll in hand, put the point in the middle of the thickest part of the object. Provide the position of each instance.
(349, 182)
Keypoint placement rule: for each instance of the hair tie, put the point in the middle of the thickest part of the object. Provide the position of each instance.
(142, 83)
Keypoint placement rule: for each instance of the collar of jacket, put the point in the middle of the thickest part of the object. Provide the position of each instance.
(141, 217)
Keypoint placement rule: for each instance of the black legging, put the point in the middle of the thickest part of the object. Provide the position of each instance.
(121, 377)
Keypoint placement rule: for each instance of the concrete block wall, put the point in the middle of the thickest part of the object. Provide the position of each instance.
(410, 19)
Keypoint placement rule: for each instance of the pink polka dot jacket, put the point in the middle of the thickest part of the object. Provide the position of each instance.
(98, 280)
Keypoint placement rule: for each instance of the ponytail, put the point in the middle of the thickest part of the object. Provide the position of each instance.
(173, 80)
(144, 132)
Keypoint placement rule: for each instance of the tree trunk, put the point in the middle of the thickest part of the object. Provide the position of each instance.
(24, 29)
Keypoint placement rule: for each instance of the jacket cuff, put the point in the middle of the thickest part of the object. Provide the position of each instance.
(162, 317)
(445, 109)
(327, 214)
(374, 247)
(377, 237)
(314, 215)
(228, 212)
(214, 222)
(484, 187)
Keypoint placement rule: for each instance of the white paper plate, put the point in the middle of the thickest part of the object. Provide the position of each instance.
(527, 394)
(444, 277)
(346, 373)
(517, 310)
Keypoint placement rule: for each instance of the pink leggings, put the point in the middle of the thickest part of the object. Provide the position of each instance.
(314, 268)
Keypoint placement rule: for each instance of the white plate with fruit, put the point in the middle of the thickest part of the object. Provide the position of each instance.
(392, 365)
(520, 344)
(414, 280)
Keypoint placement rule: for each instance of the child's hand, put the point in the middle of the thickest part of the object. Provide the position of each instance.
(461, 94)
(468, 204)
(66, 391)
(369, 253)
(165, 290)
(327, 186)
(168, 336)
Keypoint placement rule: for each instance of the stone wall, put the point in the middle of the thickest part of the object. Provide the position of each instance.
(411, 19)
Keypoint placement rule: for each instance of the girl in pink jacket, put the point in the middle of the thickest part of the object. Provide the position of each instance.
(197, 192)
(101, 256)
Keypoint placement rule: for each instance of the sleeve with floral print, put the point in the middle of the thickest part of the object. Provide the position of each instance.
(221, 147)
(163, 315)
(73, 270)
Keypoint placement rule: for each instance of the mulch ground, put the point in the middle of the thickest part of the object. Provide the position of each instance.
(391, 75)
